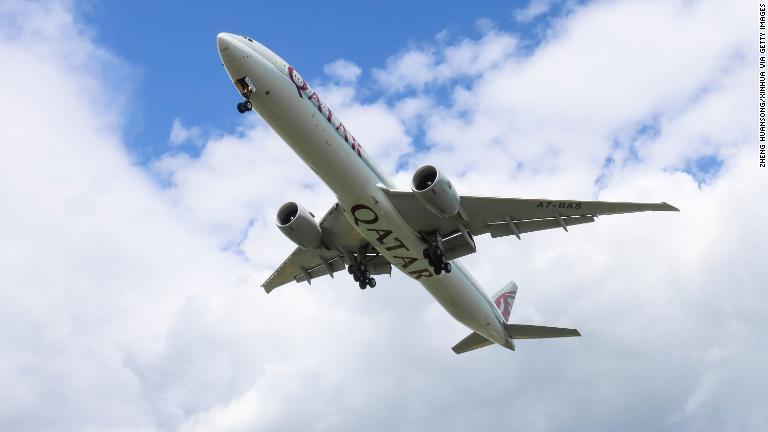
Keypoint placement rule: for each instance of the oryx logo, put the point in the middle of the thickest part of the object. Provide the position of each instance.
(504, 303)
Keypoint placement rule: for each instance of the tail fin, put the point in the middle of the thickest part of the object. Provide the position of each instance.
(504, 299)
(515, 331)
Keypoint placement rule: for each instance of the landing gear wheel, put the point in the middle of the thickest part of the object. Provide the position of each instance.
(244, 106)
(361, 275)
(434, 255)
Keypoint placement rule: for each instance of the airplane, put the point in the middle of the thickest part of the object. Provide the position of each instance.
(374, 226)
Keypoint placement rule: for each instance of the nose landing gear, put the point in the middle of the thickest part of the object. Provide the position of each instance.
(244, 106)
(246, 88)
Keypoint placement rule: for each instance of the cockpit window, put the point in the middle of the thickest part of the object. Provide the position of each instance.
(247, 38)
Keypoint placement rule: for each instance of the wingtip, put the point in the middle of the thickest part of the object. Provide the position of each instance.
(670, 207)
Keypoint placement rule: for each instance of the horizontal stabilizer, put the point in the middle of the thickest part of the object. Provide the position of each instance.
(472, 342)
(522, 331)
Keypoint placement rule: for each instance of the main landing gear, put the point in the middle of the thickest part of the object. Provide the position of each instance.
(244, 106)
(434, 255)
(361, 275)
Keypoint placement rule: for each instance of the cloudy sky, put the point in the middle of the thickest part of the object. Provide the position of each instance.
(138, 206)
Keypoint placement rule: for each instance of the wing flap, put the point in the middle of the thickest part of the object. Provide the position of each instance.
(376, 266)
(299, 263)
(325, 268)
(505, 229)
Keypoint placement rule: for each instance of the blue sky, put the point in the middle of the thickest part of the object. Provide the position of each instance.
(171, 47)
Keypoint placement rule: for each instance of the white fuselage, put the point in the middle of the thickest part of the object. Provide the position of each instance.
(312, 130)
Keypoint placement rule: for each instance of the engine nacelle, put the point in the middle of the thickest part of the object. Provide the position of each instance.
(299, 225)
(435, 191)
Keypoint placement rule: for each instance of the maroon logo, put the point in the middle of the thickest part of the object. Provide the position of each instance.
(303, 89)
(504, 303)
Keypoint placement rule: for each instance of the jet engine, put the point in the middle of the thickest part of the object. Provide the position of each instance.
(435, 191)
(299, 225)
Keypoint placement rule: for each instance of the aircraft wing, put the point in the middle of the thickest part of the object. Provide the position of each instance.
(304, 265)
(511, 216)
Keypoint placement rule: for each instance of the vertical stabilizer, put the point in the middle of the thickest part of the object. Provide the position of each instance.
(504, 299)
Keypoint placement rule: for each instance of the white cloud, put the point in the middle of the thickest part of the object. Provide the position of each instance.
(126, 305)
(413, 110)
(222, 192)
(411, 68)
(562, 109)
(535, 9)
(343, 70)
(418, 68)
(181, 134)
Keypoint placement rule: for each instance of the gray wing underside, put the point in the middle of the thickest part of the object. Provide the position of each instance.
(498, 217)
(512, 216)
(304, 265)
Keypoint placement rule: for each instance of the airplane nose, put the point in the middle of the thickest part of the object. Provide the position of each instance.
(224, 41)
